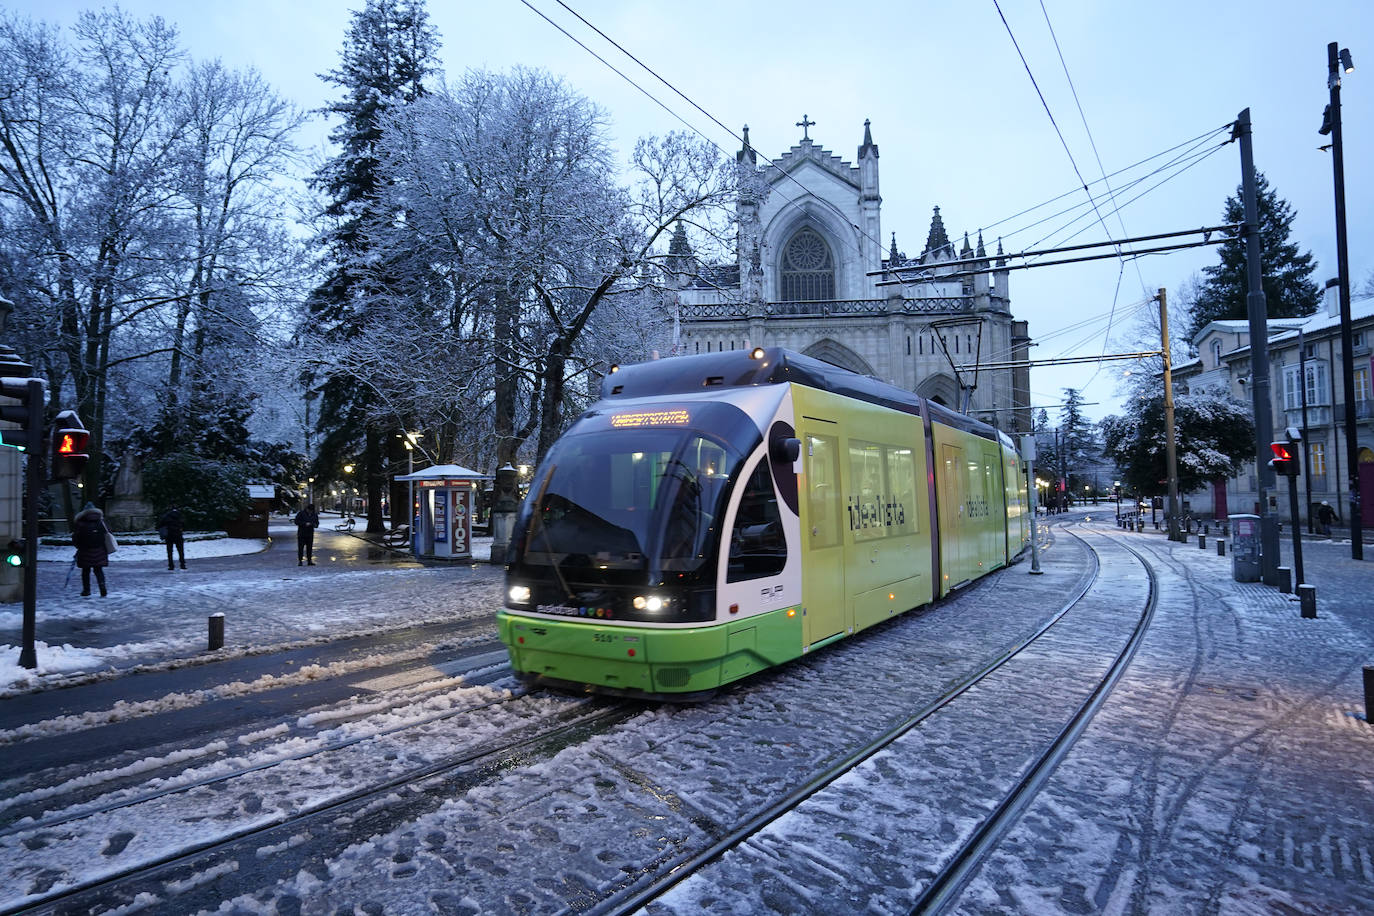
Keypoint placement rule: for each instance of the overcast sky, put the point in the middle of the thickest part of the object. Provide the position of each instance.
(954, 112)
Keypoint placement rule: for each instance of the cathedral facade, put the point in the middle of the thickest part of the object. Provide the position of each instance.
(810, 274)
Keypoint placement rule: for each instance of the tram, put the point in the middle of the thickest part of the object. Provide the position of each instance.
(715, 515)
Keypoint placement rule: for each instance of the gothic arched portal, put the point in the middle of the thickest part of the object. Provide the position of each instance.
(941, 389)
(837, 354)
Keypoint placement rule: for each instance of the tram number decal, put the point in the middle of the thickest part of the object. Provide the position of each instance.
(772, 591)
(978, 507)
(877, 513)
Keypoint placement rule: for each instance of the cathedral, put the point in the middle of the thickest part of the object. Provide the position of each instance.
(810, 274)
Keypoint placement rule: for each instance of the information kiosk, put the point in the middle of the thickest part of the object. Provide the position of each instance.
(442, 502)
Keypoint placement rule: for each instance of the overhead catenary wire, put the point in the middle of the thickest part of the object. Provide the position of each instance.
(1111, 195)
(768, 163)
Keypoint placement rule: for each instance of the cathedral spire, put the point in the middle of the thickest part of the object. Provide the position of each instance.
(967, 249)
(680, 251)
(746, 153)
(892, 256)
(937, 239)
(1001, 259)
(868, 145)
(980, 252)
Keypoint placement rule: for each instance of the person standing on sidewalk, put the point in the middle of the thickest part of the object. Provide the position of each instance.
(173, 534)
(91, 539)
(307, 520)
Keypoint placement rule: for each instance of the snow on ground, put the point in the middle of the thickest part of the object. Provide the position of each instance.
(152, 616)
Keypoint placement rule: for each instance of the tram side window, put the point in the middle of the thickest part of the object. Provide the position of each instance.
(901, 477)
(758, 547)
(823, 490)
(885, 504)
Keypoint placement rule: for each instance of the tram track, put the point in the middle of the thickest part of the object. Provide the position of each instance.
(23, 803)
(662, 876)
(400, 796)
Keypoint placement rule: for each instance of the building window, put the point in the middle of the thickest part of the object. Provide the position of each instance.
(1362, 392)
(1216, 354)
(1318, 388)
(808, 270)
(1316, 458)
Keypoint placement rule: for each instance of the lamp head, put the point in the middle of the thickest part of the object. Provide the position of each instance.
(1346, 63)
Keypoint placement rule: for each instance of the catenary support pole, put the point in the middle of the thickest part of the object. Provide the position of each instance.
(1257, 311)
(1170, 441)
(1352, 447)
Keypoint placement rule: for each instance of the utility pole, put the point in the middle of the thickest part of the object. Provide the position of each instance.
(1307, 449)
(1170, 440)
(1028, 453)
(1258, 312)
(1334, 59)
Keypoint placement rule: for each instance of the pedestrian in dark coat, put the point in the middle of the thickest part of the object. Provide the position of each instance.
(1325, 516)
(173, 535)
(89, 535)
(307, 520)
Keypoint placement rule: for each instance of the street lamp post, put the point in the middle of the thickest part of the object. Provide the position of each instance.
(1336, 60)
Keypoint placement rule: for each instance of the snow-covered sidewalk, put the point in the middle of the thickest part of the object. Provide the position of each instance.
(154, 617)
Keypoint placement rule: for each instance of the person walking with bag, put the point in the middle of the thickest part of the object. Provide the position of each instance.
(307, 520)
(94, 543)
(173, 534)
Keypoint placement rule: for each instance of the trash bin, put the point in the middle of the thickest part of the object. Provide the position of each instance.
(1245, 547)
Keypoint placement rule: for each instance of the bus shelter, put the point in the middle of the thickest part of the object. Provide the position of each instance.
(442, 501)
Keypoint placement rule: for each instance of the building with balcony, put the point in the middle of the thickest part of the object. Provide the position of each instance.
(809, 275)
(1306, 392)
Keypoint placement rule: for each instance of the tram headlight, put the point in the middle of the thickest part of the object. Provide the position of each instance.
(518, 595)
(651, 603)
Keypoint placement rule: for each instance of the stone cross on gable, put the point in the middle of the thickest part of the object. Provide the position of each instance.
(804, 124)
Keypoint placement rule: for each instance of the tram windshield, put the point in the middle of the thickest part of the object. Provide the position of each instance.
(612, 502)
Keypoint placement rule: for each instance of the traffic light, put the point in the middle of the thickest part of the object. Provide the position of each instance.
(69, 442)
(14, 553)
(28, 413)
(1285, 461)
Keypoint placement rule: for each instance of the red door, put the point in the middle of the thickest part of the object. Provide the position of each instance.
(1219, 499)
(1366, 488)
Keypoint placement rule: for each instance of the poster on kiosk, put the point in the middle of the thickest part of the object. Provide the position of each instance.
(443, 507)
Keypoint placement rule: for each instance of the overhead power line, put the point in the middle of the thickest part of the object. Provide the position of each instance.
(928, 272)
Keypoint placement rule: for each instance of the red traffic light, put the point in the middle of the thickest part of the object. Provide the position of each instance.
(72, 442)
(69, 443)
(1285, 462)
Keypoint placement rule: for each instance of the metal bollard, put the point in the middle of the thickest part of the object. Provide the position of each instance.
(1221, 547)
(1202, 542)
(216, 632)
(1286, 580)
(1307, 597)
(1369, 693)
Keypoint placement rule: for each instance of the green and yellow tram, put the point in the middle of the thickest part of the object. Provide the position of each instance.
(715, 515)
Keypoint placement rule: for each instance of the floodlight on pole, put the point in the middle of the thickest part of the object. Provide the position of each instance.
(1334, 60)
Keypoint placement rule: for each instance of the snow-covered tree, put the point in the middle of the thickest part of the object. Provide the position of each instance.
(1214, 435)
(138, 235)
(387, 55)
(509, 249)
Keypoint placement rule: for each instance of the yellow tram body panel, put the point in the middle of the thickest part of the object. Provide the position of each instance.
(865, 516)
(972, 519)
